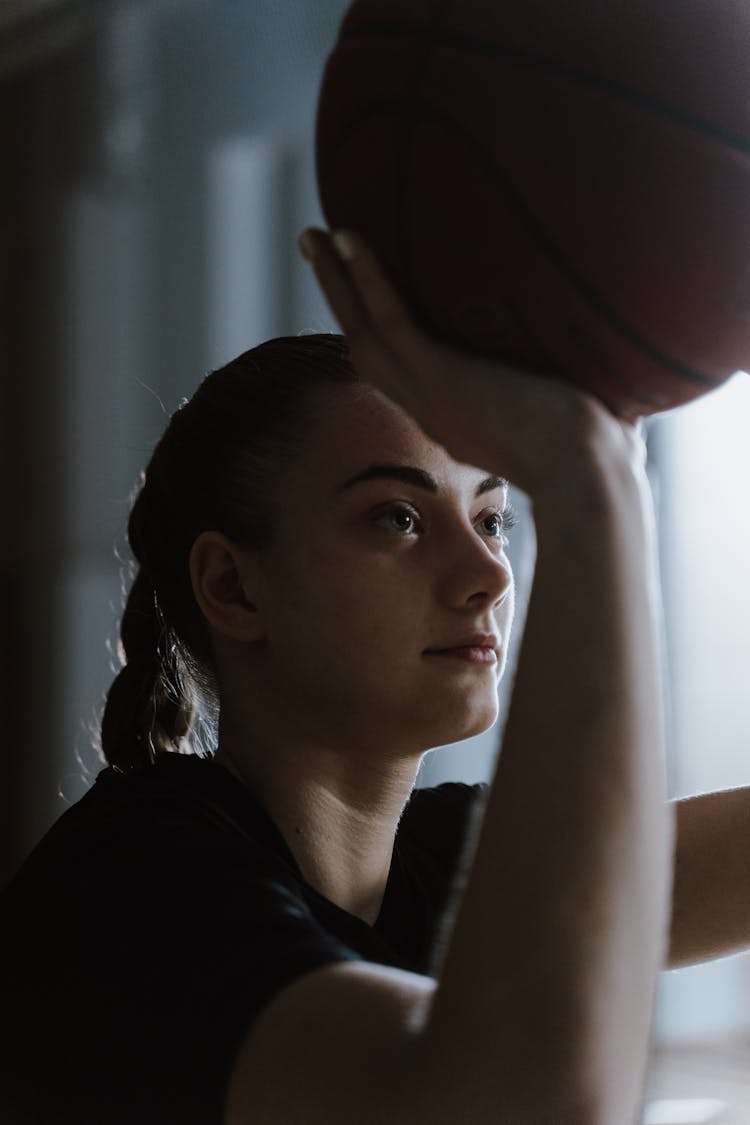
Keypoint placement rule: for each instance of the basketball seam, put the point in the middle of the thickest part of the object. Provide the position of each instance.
(534, 227)
(621, 90)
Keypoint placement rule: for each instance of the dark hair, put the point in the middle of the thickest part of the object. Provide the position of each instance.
(210, 470)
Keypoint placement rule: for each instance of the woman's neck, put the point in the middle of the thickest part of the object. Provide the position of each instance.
(337, 811)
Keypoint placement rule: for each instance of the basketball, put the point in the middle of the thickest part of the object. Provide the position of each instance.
(563, 185)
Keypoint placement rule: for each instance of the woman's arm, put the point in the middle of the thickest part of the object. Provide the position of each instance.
(711, 898)
(562, 927)
(542, 1009)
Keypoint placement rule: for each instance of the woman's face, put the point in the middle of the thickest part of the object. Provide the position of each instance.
(387, 554)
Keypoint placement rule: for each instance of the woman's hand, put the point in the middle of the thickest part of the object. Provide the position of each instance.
(528, 427)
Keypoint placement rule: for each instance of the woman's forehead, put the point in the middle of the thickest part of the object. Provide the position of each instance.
(359, 428)
(358, 423)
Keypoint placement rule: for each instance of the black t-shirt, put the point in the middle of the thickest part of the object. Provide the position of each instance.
(154, 921)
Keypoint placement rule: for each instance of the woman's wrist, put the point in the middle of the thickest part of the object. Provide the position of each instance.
(592, 484)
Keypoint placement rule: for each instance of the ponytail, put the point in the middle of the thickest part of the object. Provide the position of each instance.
(148, 707)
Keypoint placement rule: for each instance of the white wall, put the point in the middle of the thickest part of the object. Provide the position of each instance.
(705, 522)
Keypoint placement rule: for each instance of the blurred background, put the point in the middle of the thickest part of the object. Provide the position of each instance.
(157, 167)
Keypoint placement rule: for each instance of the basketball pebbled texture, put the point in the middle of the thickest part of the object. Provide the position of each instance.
(562, 185)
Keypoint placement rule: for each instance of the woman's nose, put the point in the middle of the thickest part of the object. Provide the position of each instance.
(478, 572)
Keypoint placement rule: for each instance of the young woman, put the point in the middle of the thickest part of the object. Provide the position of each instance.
(284, 933)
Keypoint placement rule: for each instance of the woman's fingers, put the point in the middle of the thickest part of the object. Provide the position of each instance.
(388, 314)
(365, 303)
(333, 277)
(362, 300)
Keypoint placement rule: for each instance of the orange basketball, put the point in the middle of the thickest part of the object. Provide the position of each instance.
(561, 184)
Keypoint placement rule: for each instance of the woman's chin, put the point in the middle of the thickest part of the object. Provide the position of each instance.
(458, 729)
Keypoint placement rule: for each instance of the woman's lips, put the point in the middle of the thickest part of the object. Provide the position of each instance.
(474, 654)
(476, 648)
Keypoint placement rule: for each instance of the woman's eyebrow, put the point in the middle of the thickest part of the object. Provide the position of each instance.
(412, 475)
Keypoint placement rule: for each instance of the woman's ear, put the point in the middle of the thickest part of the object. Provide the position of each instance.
(224, 579)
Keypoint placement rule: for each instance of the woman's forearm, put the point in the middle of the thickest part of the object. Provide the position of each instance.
(711, 901)
(548, 978)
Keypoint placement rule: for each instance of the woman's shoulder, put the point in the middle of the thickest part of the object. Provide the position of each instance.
(145, 824)
(160, 916)
(182, 788)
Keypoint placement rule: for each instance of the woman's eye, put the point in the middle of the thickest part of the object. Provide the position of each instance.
(497, 523)
(400, 518)
(492, 525)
